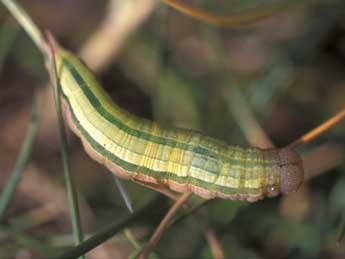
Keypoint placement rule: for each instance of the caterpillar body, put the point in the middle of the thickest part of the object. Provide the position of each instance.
(186, 161)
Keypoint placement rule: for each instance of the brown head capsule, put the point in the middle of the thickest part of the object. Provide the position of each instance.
(291, 169)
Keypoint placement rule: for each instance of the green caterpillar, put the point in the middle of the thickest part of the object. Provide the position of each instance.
(186, 161)
(141, 150)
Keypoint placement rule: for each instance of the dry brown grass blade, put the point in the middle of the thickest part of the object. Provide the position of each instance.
(122, 18)
(236, 21)
(215, 245)
(160, 229)
(318, 130)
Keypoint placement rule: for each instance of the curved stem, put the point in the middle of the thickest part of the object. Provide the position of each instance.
(318, 130)
(27, 23)
(160, 229)
(233, 21)
(70, 186)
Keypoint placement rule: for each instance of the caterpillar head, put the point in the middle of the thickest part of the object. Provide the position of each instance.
(291, 170)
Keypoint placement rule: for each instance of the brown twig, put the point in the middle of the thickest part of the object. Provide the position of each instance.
(160, 229)
(214, 243)
(235, 21)
(215, 246)
(318, 130)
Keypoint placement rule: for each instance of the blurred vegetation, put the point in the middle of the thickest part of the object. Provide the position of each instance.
(288, 70)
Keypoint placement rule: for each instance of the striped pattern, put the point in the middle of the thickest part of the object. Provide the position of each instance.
(141, 150)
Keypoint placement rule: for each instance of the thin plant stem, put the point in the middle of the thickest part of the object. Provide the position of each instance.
(23, 159)
(26, 22)
(103, 235)
(237, 20)
(162, 226)
(215, 245)
(131, 238)
(97, 239)
(340, 116)
(70, 186)
(190, 212)
(136, 244)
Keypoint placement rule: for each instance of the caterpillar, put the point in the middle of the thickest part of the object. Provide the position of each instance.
(184, 160)
(140, 150)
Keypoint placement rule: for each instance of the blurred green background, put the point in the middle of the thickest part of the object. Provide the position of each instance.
(286, 71)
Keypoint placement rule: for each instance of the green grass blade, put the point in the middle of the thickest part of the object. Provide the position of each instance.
(70, 186)
(107, 233)
(99, 238)
(131, 238)
(26, 22)
(22, 161)
(136, 244)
